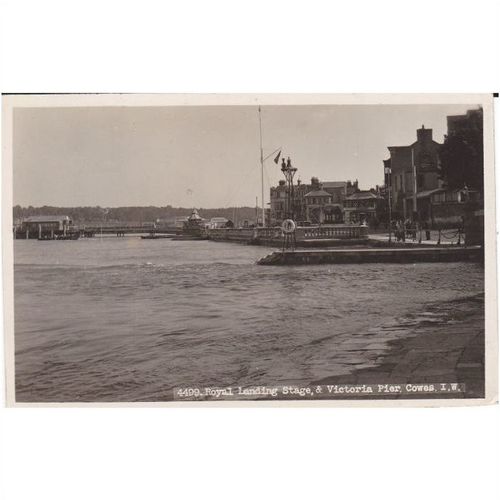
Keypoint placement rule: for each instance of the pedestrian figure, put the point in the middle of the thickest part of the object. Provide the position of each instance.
(425, 226)
(401, 231)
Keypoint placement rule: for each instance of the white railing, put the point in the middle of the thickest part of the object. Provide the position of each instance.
(335, 232)
(276, 234)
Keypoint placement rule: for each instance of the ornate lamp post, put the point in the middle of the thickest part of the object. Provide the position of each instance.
(289, 173)
(288, 224)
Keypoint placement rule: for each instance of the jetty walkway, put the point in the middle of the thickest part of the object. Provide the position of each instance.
(445, 237)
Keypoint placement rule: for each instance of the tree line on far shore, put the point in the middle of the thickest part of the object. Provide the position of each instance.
(86, 215)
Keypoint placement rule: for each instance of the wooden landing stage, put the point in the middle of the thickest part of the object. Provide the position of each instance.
(373, 255)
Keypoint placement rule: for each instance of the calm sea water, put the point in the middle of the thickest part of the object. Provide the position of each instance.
(125, 319)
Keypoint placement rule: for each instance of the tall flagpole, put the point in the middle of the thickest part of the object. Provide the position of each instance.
(262, 170)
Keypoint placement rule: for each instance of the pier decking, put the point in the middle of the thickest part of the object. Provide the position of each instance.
(373, 255)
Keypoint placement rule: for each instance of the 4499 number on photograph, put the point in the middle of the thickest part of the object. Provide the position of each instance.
(317, 391)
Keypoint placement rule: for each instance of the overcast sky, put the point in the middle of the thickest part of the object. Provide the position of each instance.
(201, 156)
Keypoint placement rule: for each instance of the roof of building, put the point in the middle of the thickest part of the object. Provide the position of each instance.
(194, 215)
(334, 184)
(362, 195)
(410, 146)
(47, 218)
(319, 192)
(425, 194)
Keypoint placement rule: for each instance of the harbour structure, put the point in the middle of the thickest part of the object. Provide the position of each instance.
(373, 255)
(194, 226)
(304, 236)
(44, 226)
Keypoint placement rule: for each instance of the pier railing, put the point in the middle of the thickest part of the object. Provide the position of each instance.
(334, 232)
(275, 234)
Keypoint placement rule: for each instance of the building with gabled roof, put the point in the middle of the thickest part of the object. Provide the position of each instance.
(363, 206)
(36, 226)
(317, 202)
(412, 169)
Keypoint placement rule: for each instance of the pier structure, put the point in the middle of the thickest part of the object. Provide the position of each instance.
(374, 255)
(88, 231)
(305, 236)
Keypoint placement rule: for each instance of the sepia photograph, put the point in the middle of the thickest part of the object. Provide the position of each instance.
(321, 249)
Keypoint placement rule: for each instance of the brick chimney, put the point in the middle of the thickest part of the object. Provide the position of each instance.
(424, 134)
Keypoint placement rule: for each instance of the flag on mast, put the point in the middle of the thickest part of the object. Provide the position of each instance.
(277, 159)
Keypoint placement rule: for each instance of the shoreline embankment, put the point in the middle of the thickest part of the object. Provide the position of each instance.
(452, 351)
(373, 255)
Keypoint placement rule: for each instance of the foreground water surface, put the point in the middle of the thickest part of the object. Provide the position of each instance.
(125, 319)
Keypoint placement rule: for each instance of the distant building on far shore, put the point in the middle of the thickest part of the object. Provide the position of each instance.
(37, 225)
(218, 222)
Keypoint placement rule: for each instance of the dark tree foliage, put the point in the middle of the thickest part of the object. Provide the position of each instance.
(89, 215)
(461, 155)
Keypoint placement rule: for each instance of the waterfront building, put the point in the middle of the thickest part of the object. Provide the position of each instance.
(314, 203)
(318, 204)
(37, 226)
(278, 203)
(363, 206)
(179, 223)
(322, 206)
(340, 189)
(218, 222)
(412, 174)
(194, 225)
(449, 206)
